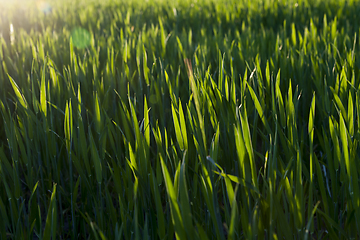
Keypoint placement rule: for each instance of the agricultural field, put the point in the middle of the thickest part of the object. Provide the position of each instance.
(207, 119)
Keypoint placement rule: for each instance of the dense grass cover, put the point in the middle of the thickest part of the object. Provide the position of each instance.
(190, 119)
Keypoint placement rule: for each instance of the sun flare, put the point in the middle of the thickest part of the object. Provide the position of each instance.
(43, 6)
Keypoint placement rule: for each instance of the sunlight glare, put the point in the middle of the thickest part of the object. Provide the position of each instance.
(43, 6)
(12, 36)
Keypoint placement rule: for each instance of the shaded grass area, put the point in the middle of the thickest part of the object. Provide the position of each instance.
(214, 119)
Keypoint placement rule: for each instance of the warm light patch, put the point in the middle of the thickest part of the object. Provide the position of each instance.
(12, 36)
(43, 6)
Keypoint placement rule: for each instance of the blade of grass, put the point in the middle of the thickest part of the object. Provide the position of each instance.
(174, 207)
(51, 219)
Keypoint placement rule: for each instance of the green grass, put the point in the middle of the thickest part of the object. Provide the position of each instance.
(196, 120)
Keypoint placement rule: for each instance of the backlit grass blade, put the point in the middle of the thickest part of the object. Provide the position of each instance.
(240, 181)
(68, 125)
(233, 86)
(35, 101)
(214, 151)
(267, 76)
(43, 103)
(343, 84)
(207, 188)
(355, 183)
(180, 47)
(336, 144)
(185, 203)
(146, 69)
(259, 81)
(95, 229)
(234, 213)
(177, 177)
(308, 226)
(311, 140)
(299, 194)
(248, 145)
(349, 159)
(19, 95)
(96, 159)
(230, 191)
(340, 105)
(159, 211)
(169, 85)
(147, 128)
(79, 101)
(162, 38)
(202, 233)
(196, 98)
(183, 125)
(178, 132)
(240, 149)
(174, 207)
(350, 115)
(345, 145)
(321, 185)
(140, 150)
(259, 109)
(51, 219)
(280, 101)
(97, 118)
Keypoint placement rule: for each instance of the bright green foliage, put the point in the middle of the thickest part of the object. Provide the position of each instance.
(227, 119)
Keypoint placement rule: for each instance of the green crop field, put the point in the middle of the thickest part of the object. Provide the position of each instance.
(151, 119)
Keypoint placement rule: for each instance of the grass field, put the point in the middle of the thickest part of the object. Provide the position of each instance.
(226, 119)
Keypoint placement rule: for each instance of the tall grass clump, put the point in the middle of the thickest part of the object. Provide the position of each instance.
(188, 120)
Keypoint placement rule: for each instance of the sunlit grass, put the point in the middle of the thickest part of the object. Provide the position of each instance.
(194, 120)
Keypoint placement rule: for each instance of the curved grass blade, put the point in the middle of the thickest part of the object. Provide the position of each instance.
(18, 93)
